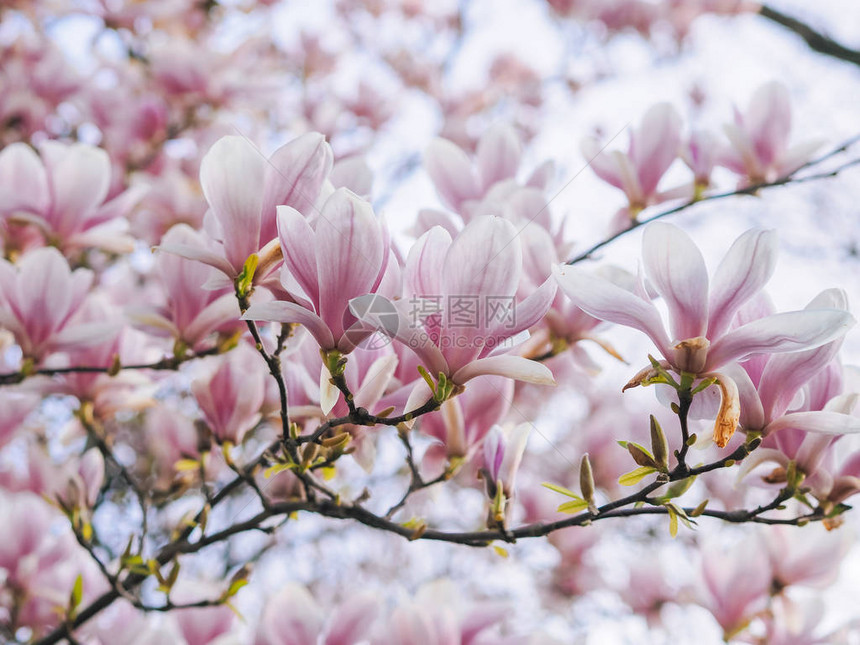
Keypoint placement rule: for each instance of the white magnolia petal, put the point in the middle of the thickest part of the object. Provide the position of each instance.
(199, 254)
(329, 393)
(677, 269)
(288, 312)
(743, 272)
(819, 421)
(515, 367)
(786, 332)
(604, 300)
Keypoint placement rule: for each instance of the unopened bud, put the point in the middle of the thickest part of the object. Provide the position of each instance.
(586, 481)
(658, 444)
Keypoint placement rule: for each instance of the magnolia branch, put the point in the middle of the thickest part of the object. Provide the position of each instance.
(816, 40)
(639, 503)
(754, 189)
(168, 363)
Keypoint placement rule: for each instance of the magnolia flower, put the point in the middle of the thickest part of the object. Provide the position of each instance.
(458, 180)
(341, 256)
(191, 313)
(759, 148)
(700, 339)
(464, 312)
(201, 625)
(700, 154)
(17, 406)
(294, 617)
(439, 615)
(765, 402)
(63, 194)
(736, 585)
(810, 558)
(231, 397)
(38, 298)
(654, 145)
(243, 188)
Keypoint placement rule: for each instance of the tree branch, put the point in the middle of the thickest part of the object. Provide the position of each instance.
(815, 39)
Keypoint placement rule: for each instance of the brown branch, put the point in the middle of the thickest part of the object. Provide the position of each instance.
(166, 363)
(790, 179)
(816, 40)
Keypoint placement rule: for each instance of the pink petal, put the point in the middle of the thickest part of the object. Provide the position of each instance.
(785, 332)
(231, 175)
(297, 244)
(498, 155)
(482, 265)
(525, 315)
(79, 176)
(288, 312)
(743, 272)
(200, 254)
(484, 260)
(785, 374)
(23, 181)
(212, 316)
(352, 620)
(655, 144)
(768, 121)
(604, 300)
(291, 617)
(676, 267)
(293, 177)
(375, 381)
(353, 173)
(451, 172)
(429, 217)
(424, 264)
(350, 251)
(818, 422)
(611, 166)
(542, 175)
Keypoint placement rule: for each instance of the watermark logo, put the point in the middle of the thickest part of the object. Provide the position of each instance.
(378, 322)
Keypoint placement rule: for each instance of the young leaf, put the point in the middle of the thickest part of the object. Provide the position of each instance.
(574, 506)
(673, 521)
(635, 476)
(561, 489)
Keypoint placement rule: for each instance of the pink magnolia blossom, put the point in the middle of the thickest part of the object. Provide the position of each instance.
(793, 622)
(63, 192)
(759, 138)
(190, 313)
(439, 615)
(701, 311)
(736, 584)
(461, 182)
(232, 395)
(767, 401)
(243, 189)
(38, 299)
(809, 558)
(478, 269)
(201, 625)
(294, 617)
(128, 390)
(39, 565)
(17, 406)
(341, 256)
(654, 145)
(700, 154)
